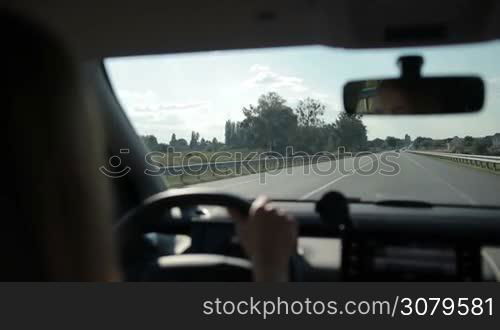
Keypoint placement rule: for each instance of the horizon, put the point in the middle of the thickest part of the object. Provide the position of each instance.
(209, 139)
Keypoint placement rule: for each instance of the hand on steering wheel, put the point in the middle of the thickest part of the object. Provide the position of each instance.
(269, 237)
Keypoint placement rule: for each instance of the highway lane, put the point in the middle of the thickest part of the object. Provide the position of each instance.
(419, 178)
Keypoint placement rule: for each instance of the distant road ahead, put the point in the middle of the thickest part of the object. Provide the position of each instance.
(420, 178)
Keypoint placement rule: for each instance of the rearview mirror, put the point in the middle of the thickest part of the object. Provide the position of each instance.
(413, 94)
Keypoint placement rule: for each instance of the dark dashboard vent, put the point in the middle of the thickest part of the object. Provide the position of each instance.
(416, 33)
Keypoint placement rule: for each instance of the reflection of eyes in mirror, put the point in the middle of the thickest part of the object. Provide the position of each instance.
(393, 98)
(414, 96)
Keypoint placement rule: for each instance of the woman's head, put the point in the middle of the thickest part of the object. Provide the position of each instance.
(59, 222)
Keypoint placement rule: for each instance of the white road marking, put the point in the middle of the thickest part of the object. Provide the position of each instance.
(309, 194)
(449, 185)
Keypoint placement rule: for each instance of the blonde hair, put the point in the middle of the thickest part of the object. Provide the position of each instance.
(64, 202)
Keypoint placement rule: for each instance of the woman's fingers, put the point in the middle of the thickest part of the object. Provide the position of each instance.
(258, 207)
(269, 237)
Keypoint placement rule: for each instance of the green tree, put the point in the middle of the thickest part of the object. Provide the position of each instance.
(351, 132)
(481, 146)
(163, 147)
(331, 144)
(309, 112)
(271, 122)
(228, 133)
(181, 143)
(391, 142)
(311, 136)
(423, 143)
(193, 143)
(378, 143)
(151, 142)
(203, 144)
(173, 140)
(407, 140)
(215, 144)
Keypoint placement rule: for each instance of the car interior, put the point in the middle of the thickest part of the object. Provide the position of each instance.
(64, 220)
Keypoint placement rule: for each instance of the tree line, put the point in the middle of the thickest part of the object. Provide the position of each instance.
(272, 124)
(468, 144)
(195, 143)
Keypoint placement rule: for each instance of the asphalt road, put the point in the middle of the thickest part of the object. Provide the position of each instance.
(413, 177)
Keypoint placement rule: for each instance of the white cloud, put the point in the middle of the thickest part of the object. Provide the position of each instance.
(169, 120)
(293, 88)
(148, 101)
(263, 76)
(181, 106)
(151, 115)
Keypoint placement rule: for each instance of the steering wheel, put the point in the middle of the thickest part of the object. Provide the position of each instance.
(150, 216)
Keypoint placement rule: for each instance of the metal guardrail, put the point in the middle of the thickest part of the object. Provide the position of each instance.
(490, 163)
(196, 171)
(201, 167)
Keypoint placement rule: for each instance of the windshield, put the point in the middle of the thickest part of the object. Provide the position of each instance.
(271, 121)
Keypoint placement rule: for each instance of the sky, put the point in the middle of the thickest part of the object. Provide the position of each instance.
(180, 93)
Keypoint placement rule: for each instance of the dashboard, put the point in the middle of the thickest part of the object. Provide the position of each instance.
(439, 243)
(384, 243)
